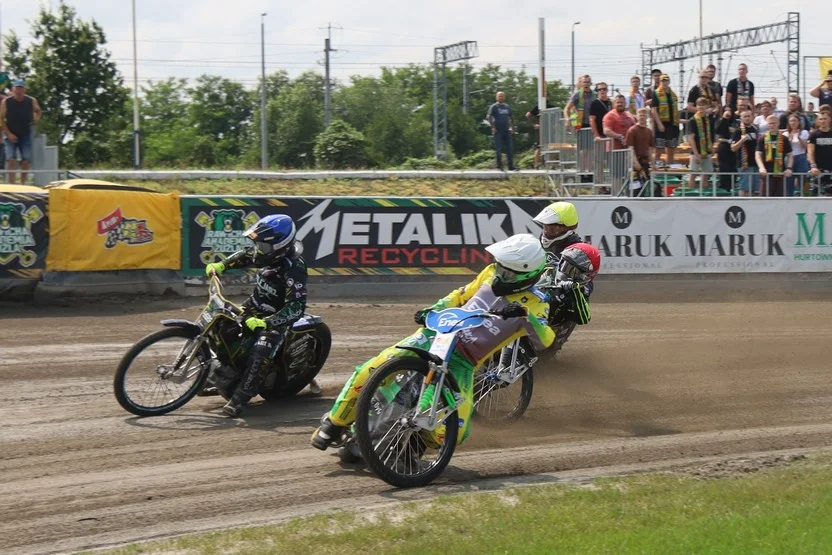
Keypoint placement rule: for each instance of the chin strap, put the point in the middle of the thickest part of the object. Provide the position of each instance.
(546, 242)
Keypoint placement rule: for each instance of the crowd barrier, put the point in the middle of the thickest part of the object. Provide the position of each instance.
(114, 232)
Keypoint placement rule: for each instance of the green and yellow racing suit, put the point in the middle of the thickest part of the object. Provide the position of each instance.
(475, 346)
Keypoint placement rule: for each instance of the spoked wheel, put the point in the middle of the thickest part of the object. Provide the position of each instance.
(393, 446)
(496, 400)
(161, 372)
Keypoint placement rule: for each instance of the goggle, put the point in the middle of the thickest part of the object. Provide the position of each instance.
(507, 275)
(263, 248)
(569, 270)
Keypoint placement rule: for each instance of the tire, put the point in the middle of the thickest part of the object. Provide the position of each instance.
(365, 441)
(296, 382)
(119, 383)
(525, 397)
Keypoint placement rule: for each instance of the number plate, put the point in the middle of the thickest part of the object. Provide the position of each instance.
(442, 343)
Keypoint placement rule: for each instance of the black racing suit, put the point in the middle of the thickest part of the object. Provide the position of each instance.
(565, 303)
(279, 298)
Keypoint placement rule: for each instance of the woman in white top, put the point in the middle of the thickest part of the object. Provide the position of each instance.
(799, 138)
(760, 121)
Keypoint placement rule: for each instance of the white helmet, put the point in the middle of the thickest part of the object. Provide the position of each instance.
(520, 260)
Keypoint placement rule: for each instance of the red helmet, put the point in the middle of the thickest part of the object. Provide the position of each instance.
(579, 263)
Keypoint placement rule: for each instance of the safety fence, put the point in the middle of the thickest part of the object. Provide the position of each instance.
(750, 183)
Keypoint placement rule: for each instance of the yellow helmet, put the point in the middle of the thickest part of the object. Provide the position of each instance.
(560, 212)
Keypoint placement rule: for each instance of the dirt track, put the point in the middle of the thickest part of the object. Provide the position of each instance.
(642, 384)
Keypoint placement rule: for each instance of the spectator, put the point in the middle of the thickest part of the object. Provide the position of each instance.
(774, 109)
(738, 87)
(636, 99)
(810, 114)
(726, 159)
(640, 139)
(665, 106)
(18, 114)
(502, 126)
(761, 121)
(774, 159)
(650, 91)
(580, 102)
(820, 154)
(795, 107)
(799, 138)
(617, 122)
(716, 87)
(745, 145)
(598, 109)
(533, 115)
(701, 140)
(823, 92)
(701, 90)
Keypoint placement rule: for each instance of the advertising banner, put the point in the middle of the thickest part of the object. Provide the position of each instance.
(378, 236)
(24, 235)
(101, 230)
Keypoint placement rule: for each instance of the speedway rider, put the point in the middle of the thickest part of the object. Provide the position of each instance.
(559, 221)
(278, 299)
(505, 287)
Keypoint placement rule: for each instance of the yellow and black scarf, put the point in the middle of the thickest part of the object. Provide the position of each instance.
(775, 153)
(582, 107)
(668, 110)
(704, 136)
(743, 149)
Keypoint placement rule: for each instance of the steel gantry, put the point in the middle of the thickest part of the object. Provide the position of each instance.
(442, 56)
(787, 31)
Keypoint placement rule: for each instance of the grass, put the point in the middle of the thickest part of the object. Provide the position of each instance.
(515, 186)
(783, 510)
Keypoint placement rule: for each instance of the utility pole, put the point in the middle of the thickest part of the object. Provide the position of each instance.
(572, 85)
(137, 157)
(264, 149)
(328, 85)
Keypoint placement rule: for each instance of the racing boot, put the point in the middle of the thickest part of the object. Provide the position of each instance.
(248, 388)
(327, 434)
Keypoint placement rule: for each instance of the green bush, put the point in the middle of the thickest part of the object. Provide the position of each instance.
(341, 146)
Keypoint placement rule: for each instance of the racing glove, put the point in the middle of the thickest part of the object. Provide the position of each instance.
(253, 323)
(513, 310)
(217, 267)
(420, 316)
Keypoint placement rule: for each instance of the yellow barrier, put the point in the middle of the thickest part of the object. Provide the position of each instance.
(100, 230)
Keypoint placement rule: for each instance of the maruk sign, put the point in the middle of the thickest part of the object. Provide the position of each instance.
(710, 236)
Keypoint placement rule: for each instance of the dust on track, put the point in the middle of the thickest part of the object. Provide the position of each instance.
(643, 384)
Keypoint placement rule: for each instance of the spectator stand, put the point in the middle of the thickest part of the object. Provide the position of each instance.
(578, 164)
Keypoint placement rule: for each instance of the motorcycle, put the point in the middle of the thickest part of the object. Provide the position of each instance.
(178, 359)
(495, 400)
(407, 424)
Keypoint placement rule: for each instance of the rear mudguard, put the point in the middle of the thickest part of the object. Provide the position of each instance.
(180, 323)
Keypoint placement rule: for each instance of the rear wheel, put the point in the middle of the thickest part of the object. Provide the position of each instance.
(495, 399)
(393, 446)
(302, 358)
(161, 372)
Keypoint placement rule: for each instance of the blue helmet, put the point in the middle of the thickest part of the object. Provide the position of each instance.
(273, 237)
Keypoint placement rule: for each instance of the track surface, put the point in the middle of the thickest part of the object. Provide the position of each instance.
(642, 384)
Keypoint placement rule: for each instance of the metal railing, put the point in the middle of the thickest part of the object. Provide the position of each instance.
(669, 183)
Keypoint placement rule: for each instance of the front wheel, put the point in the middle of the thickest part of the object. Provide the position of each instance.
(161, 372)
(396, 449)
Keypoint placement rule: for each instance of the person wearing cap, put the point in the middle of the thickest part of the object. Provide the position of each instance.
(666, 115)
(17, 115)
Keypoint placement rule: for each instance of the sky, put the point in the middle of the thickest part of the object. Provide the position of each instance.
(185, 38)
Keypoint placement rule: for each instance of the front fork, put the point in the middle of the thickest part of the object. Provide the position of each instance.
(428, 415)
(186, 354)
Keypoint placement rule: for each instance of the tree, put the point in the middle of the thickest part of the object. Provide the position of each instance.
(340, 146)
(71, 74)
(295, 118)
(221, 109)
